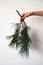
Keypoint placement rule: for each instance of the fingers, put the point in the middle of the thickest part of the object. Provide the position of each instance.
(22, 18)
(24, 15)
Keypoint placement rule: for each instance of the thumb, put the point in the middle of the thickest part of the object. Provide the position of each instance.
(21, 19)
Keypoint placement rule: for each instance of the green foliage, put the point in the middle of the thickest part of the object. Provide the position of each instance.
(21, 40)
(14, 37)
(25, 40)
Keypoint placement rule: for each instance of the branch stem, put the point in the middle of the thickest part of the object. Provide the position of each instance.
(20, 16)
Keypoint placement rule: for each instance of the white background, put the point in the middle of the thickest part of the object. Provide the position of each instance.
(8, 15)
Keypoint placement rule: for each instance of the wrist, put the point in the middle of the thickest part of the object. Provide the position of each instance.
(32, 13)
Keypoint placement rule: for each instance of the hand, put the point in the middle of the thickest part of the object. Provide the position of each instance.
(24, 15)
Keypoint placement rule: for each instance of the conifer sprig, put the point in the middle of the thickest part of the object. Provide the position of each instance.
(21, 38)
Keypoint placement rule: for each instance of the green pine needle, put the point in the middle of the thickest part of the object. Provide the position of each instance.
(25, 40)
(21, 40)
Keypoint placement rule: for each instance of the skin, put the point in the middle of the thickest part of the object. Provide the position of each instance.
(27, 14)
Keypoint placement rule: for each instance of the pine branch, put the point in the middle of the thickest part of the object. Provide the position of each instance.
(21, 39)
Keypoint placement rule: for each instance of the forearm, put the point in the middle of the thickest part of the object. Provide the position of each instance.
(27, 14)
(38, 13)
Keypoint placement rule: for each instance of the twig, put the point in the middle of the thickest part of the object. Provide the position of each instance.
(20, 16)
